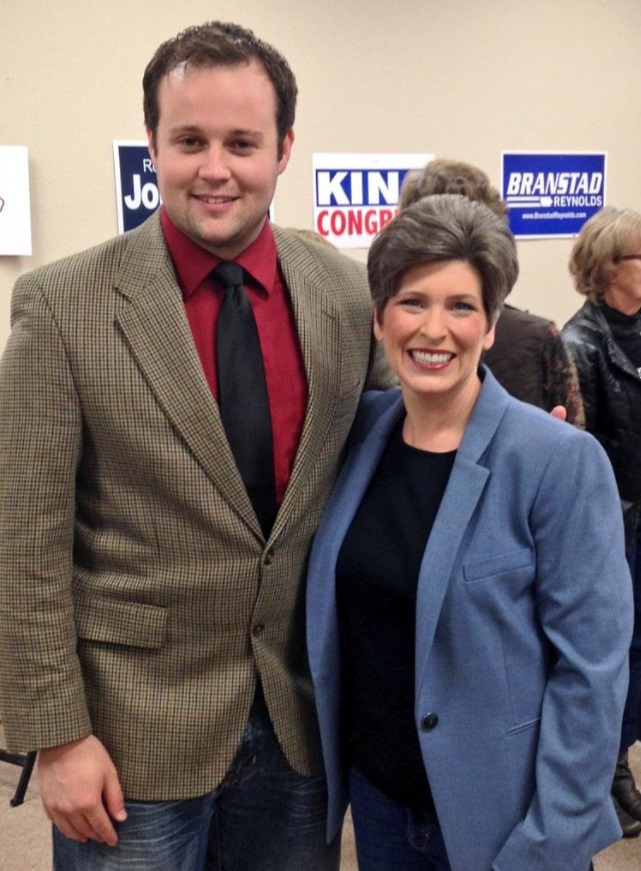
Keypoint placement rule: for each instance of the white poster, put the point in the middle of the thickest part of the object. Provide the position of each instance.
(355, 195)
(15, 211)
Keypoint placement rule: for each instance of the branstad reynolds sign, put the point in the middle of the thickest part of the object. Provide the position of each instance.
(355, 195)
(552, 194)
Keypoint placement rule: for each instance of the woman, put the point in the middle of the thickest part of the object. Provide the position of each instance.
(468, 615)
(528, 356)
(605, 338)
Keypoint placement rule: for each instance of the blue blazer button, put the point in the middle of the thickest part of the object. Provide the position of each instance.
(429, 721)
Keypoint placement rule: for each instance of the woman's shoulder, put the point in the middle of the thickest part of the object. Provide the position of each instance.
(584, 327)
(372, 406)
(532, 431)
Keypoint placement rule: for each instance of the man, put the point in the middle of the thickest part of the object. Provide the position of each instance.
(151, 610)
(528, 357)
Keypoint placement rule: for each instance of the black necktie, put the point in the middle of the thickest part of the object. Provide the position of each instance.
(242, 393)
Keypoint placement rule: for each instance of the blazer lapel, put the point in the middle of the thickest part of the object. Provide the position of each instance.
(153, 321)
(319, 331)
(357, 472)
(462, 494)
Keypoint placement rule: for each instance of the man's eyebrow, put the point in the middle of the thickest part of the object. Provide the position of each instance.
(195, 130)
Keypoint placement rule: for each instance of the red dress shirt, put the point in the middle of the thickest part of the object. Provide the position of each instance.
(282, 358)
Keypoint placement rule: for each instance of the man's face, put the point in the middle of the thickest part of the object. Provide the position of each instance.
(216, 153)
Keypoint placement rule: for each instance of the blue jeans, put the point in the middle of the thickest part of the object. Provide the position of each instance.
(263, 817)
(391, 837)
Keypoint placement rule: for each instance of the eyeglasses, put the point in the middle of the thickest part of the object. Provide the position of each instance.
(627, 257)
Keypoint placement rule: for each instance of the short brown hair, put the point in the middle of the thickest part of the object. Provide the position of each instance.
(605, 237)
(443, 228)
(442, 176)
(218, 43)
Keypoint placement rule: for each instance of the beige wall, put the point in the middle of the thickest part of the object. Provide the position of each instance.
(459, 78)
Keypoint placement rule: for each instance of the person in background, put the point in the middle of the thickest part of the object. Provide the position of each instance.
(468, 598)
(528, 357)
(604, 337)
(157, 508)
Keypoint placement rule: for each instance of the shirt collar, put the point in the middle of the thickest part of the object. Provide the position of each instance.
(193, 264)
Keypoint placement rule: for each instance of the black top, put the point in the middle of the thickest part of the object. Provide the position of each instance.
(377, 577)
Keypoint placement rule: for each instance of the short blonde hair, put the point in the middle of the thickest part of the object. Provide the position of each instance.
(604, 238)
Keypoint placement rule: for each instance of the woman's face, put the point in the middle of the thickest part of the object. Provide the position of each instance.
(624, 287)
(434, 330)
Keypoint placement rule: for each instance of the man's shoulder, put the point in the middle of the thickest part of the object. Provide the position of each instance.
(102, 259)
(317, 257)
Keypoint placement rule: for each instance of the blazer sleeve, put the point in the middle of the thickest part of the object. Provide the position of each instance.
(584, 605)
(42, 700)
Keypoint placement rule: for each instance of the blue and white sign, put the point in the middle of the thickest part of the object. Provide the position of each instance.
(552, 194)
(137, 193)
(355, 195)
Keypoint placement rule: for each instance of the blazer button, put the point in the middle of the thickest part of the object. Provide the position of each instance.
(429, 721)
(258, 629)
(269, 557)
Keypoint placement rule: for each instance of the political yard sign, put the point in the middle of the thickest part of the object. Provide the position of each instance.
(136, 188)
(552, 194)
(355, 195)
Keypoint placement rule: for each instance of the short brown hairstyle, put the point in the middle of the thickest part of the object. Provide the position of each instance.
(605, 237)
(442, 176)
(443, 228)
(214, 44)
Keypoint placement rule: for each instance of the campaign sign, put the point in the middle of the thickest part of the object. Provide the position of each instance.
(356, 195)
(552, 194)
(136, 189)
(15, 211)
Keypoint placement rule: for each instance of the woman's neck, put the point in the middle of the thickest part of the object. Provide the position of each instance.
(436, 422)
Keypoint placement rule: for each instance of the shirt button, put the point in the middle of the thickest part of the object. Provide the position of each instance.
(429, 721)
(258, 629)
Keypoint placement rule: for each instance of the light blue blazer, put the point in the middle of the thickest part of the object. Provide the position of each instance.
(524, 619)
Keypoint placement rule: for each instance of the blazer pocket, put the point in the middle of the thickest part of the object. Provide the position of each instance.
(523, 727)
(501, 564)
(130, 623)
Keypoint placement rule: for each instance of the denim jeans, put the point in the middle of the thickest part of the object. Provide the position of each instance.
(263, 817)
(391, 837)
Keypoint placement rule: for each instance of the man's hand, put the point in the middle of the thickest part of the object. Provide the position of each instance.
(80, 790)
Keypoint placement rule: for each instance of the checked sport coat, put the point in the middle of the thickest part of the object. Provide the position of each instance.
(138, 598)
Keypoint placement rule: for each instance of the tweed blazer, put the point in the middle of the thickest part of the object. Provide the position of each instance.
(138, 598)
(523, 624)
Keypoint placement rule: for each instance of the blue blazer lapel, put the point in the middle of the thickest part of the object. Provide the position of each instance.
(348, 491)
(462, 495)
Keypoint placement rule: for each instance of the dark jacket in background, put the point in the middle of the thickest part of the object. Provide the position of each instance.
(531, 362)
(611, 389)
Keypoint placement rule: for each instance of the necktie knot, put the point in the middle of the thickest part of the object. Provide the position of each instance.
(229, 274)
